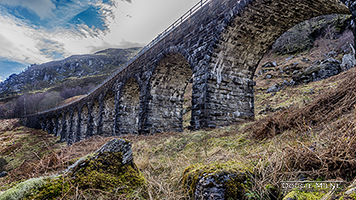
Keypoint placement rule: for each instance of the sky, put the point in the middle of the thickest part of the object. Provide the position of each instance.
(39, 31)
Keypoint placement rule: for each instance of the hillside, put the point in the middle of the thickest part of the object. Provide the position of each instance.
(304, 131)
(46, 75)
(45, 86)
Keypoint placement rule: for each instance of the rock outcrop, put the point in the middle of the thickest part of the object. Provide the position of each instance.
(326, 69)
(302, 36)
(51, 73)
(349, 60)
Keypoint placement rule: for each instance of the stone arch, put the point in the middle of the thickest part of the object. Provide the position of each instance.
(84, 121)
(95, 114)
(166, 87)
(247, 35)
(129, 107)
(108, 113)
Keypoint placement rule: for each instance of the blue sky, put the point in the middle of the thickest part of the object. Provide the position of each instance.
(38, 31)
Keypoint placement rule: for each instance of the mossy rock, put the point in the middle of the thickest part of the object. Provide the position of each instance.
(107, 174)
(229, 180)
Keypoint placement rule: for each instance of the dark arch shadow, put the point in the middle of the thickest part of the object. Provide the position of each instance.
(129, 107)
(167, 86)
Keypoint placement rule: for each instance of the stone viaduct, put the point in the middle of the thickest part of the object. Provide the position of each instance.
(218, 48)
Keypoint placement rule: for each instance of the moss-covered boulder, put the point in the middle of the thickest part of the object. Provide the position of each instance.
(218, 181)
(108, 173)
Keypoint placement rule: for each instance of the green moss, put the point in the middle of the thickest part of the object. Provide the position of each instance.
(103, 174)
(353, 196)
(237, 185)
(23, 189)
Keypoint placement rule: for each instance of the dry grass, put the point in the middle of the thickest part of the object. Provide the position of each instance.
(327, 107)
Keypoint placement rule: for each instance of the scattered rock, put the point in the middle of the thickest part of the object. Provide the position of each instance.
(285, 83)
(277, 87)
(289, 58)
(270, 65)
(3, 174)
(305, 60)
(292, 82)
(269, 109)
(268, 76)
(274, 88)
(331, 54)
(262, 71)
(316, 62)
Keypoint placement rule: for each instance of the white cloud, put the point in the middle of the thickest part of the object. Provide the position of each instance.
(24, 43)
(43, 8)
(15, 43)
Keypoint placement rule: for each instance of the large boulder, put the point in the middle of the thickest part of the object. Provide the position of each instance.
(326, 69)
(218, 181)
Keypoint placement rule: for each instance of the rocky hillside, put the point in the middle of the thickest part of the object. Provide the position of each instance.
(38, 77)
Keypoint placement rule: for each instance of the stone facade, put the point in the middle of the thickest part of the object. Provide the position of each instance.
(219, 48)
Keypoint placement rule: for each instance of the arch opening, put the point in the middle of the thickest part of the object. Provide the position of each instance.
(129, 107)
(167, 87)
